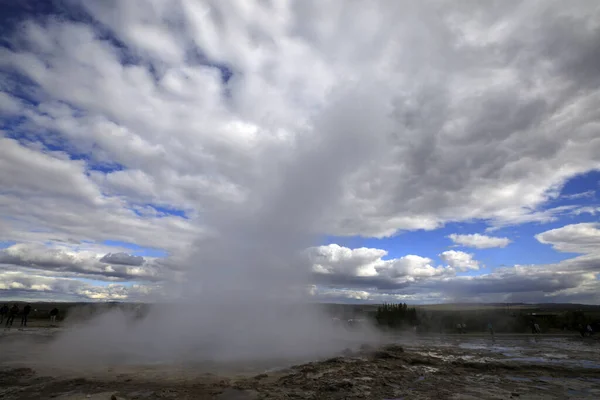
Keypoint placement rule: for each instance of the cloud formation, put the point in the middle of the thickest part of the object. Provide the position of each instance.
(479, 241)
(122, 259)
(574, 238)
(82, 263)
(460, 260)
(146, 123)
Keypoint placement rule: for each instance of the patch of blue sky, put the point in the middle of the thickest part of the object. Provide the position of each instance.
(158, 211)
(525, 249)
(196, 56)
(580, 190)
(104, 167)
(135, 249)
(51, 141)
(6, 243)
(165, 210)
(14, 12)
(421, 242)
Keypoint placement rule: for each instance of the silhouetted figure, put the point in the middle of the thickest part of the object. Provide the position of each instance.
(581, 330)
(590, 331)
(491, 329)
(12, 313)
(535, 328)
(26, 311)
(3, 312)
(53, 315)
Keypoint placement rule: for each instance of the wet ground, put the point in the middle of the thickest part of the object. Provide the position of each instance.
(425, 367)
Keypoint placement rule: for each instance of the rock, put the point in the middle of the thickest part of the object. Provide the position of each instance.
(384, 355)
(394, 348)
(113, 397)
(337, 385)
(515, 394)
(261, 376)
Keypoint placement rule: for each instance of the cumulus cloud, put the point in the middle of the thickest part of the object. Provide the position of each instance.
(142, 122)
(83, 263)
(364, 267)
(460, 260)
(414, 279)
(461, 124)
(574, 238)
(122, 259)
(479, 241)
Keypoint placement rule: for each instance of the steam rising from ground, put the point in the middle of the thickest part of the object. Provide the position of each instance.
(242, 296)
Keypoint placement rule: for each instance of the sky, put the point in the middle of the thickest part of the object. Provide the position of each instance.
(419, 153)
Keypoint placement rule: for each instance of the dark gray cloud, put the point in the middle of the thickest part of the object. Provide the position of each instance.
(76, 263)
(122, 259)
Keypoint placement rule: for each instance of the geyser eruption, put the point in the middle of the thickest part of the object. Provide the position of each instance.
(244, 292)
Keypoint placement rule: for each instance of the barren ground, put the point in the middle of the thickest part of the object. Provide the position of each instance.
(428, 367)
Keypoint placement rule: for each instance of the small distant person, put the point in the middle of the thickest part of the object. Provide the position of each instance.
(53, 315)
(25, 315)
(464, 328)
(590, 331)
(12, 313)
(537, 328)
(3, 312)
(490, 328)
(581, 330)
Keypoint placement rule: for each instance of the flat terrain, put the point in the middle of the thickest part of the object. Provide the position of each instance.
(424, 367)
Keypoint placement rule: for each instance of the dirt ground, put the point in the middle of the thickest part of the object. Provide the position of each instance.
(433, 367)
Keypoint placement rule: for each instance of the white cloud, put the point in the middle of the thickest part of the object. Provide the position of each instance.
(26, 284)
(479, 241)
(575, 238)
(335, 259)
(581, 195)
(182, 127)
(586, 210)
(424, 114)
(81, 263)
(364, 267)
(460, 260)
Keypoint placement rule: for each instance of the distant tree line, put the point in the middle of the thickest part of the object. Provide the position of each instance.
(396, 315)
(505, 321)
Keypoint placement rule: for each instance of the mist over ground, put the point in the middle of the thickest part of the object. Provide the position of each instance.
(243, 293)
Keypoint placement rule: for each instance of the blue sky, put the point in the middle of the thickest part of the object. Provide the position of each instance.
(525, 249)
(133, 136)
